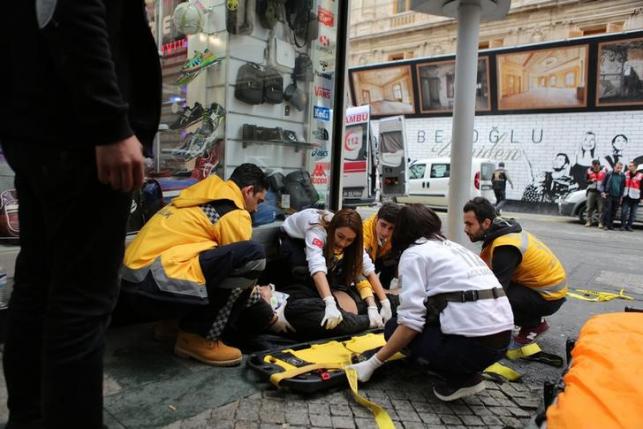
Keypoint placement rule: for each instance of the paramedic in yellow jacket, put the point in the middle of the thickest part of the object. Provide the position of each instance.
(378, 230)
(193, 260)
(532, 276)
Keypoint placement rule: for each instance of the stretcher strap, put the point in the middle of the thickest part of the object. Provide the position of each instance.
(503, 371)
(382, 418)
(523, 352)
(597, 296)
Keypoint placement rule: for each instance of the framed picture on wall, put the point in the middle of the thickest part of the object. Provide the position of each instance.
(388, 90)
(619, 79)
(551, 78)
(436, 81)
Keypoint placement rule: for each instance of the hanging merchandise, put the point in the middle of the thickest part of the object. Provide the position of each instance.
(302, 21)
(273, 86)
(301, 190)
(249, 86)
(188, 116)
(237, 17)
(304, 71)
(295, 96)
(188, 18)
(9, 226)
(280, 54)
(268, 12)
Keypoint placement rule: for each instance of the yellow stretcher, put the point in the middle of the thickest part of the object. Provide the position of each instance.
(313, 367)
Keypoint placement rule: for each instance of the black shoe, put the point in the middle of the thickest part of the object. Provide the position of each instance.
(629, 228)
(188, 116)
(451, 392)
(621, 229)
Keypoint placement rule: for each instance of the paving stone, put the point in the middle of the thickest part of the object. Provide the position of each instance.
(201, 420)
(450, 419)
(442, 409)
(359, 411)
(413, 425)
(472, 400)
(491, 420)
(248, 410)
(408, 416)
(337, 398)
(341, 422)
(396, 394)
(527, 403)
(511, 422)
(274, 394)
(519, 412)
(504, 402)
(362, 423)
(457, 427)
(497, 394)
(472, 420)
(270, 426)
(492, 385)
(460, 410)
(489, 401)
(401, 404)
(323, 421)
(430, 419)
(422, 407)
(340, 410)
(375, 393)
(224, 412)
(319, 408)
(520, 387)
(297, 416)
(246, 425)
(481, 410)
(272, 411)
(500, 411)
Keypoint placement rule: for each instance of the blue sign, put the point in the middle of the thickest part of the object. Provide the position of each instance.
(322, 113)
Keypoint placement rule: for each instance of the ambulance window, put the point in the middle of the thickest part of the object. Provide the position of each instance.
(486, 170)
(416, 171)
(439, 171)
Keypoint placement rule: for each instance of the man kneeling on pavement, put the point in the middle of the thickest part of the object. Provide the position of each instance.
(532, 276)
(193, 261)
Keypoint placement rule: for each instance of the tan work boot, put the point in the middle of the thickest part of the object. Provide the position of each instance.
(588, 223)
(207, 351)
(166, 330)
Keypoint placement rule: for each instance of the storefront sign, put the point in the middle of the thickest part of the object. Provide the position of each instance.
(355, 153)
(326, 17)
(322, 113)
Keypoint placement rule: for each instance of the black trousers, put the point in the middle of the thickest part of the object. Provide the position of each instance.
(386, 267)
(628, 212)
(500, 198)
(609, 211)
(528, 306)
(230, 271)
(72, 231)
(455, 357)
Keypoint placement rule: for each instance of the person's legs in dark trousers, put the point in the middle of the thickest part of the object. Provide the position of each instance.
(528, 306)
(292, 251)
(455, 357)
(386, 268)
(306, 314)
(500, 198)
(66, 284)
(592, 203)
(611, 205)
(628, 212)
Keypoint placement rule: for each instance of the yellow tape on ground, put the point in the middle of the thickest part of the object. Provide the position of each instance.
(503, 371)
(597, 296)
(382, 418)
(524, 351)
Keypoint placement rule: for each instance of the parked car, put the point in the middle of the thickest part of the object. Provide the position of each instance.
(429, 181)
(575, 204)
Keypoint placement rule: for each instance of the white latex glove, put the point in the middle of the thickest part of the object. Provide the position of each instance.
(386, 311)
(281, 326)
(332, 316)
(366, 369)
(374, 318)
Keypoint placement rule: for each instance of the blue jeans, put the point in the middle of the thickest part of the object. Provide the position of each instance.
(628, 212)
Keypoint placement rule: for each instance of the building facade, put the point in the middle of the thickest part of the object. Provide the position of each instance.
(388, 30)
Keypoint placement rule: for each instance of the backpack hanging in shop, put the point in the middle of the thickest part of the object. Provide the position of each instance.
(268, 12)
(304, 71)
(273, 86)
(249, 85)
(302, 21)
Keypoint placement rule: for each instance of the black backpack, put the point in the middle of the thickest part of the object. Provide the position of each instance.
(302, 21)
(273, 86)
(249, 86)
(268, 12)
(304, 71)
(300, 188)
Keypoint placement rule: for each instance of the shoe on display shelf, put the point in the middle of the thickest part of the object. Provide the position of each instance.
(188, 116)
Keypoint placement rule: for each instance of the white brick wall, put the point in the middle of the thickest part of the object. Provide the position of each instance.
(516, 140)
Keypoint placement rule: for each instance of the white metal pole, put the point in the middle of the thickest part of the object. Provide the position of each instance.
(466, 71)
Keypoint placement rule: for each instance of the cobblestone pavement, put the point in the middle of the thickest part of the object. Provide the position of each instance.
(410, 403)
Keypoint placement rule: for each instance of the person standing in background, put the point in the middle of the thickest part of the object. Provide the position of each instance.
(595, 176)
(77, 113)
(499, 180)
(613, 189)
(631, 197)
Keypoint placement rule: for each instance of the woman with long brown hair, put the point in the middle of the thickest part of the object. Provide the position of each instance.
(326, 256)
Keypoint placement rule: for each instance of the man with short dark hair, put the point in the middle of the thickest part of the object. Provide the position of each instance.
(499, 180)
(595, 176)
(532, 276)
(193, 261)
(378, 230)
(632, 196)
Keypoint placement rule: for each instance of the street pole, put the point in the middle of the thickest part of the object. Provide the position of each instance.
(466, 72)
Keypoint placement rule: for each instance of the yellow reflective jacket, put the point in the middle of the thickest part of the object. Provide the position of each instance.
(539, 269)
(170, 242)
(371, 243)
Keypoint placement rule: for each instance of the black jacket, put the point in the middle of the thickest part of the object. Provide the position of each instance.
(90, 76)
(505, 258)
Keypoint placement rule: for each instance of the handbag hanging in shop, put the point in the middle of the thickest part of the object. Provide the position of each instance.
(273, 86)
(302, 21)
(304, 71)
(296, 96)
(280, 54)
(268, 12)
(301, 190)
